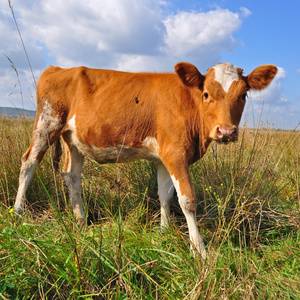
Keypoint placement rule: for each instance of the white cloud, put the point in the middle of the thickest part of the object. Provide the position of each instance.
(138, 63)
(10, 88)
(268, 115)
(104, 33)
(269, 108)
(94, 32)
(127, 35)
(201, 36)
(245, 11)
(283, 100)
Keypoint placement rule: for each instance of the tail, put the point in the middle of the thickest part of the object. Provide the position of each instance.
(56, 154)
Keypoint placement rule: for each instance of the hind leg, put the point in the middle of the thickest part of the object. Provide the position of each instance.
(29, 164)
(72, 177)
(46, 131)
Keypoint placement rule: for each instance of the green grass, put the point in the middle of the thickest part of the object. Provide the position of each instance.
(248, 213)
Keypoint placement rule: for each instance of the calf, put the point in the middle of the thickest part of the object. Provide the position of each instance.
(115, 117)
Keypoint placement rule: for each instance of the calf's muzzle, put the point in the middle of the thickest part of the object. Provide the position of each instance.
(226, 133)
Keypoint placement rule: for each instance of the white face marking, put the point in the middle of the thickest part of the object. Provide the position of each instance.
(226, 74)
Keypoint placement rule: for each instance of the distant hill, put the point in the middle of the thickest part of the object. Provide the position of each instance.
(11, 112)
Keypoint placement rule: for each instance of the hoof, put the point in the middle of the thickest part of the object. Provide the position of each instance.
(80, 223)
(201, 252)
(16, 211)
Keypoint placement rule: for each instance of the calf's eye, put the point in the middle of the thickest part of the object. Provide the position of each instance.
(206, 95)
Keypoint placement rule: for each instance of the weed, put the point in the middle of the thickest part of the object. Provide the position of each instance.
(248, 212)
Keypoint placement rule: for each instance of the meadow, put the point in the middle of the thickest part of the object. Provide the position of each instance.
(248, 213)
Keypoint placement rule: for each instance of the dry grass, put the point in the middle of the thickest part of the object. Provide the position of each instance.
(248, 213)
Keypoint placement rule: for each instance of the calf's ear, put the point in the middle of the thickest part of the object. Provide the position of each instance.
(189, 74)
(261, 77)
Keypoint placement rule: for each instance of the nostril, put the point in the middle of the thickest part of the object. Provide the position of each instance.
(226, 133)
(219, 133)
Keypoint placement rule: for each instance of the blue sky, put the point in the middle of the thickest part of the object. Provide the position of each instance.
(153, 35)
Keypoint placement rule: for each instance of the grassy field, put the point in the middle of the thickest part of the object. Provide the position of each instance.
(248, 214)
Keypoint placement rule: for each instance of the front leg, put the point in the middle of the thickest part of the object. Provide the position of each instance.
(165, 193)
(188, 201)
(72, 177)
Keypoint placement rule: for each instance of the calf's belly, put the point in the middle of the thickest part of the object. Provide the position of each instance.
(117, 154)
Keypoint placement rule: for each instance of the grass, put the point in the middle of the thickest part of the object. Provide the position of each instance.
(248, 213)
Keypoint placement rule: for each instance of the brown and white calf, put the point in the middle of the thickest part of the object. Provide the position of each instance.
(115, 117)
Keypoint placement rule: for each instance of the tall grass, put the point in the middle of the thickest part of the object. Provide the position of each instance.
(248, 213)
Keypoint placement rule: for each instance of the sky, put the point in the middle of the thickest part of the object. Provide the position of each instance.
(152, 36)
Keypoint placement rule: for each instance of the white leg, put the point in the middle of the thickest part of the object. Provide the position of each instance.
(72, 178)
(189, 211)
(44, 134)
(195, 237)
(26, 174)
(165, 193)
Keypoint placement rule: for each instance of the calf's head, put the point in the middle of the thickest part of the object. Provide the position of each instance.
(221, 95)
